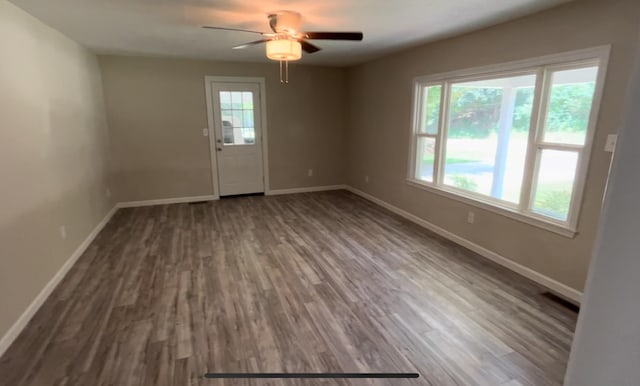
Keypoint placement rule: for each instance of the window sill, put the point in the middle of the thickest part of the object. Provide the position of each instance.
(496, 208)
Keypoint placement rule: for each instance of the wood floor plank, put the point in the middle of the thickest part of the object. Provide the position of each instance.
(318, 282)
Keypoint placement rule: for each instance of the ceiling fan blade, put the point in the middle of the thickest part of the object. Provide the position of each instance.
(308, 47)
(333, 35)
(245, 45)
(273, 20)
(232, 29)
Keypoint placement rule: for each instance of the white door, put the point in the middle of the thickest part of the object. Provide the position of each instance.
(238, 137)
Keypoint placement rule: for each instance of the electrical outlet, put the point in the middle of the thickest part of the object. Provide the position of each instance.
(366, 179)
(471, 217)
(63, 232)
(310, 173)
(205, 132)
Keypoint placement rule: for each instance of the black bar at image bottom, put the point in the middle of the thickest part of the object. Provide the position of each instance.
(309, 375)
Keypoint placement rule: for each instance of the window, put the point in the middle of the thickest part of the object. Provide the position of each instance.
(516, 139)
(237, 112)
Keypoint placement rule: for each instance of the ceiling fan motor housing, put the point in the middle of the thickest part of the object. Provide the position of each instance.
(285, 22)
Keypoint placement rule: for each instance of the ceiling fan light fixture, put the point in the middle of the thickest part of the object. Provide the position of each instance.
(284, 50)
(287, 41)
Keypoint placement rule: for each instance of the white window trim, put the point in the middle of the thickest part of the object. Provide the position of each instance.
(540, 65)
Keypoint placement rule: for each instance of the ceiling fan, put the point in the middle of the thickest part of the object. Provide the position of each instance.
(287, 41)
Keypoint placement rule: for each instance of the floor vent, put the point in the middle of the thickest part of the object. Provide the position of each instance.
(563, 302)
(199, 202)
(243, 195)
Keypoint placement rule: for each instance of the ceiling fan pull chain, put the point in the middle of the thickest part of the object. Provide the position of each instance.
(286, 63)
(281, 81)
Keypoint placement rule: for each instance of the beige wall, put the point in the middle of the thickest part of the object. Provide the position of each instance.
(53, 156)
(156, 111)
(379, 126)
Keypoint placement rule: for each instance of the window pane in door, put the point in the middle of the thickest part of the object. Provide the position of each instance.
(248, 135)
(225, 100)
(227, 130)
(569, 107)
(430, 109)
(489, 123)
(237, 118)
(555, 183)
(247, 100)
(236, 100)
(425, 157)
(248, 118)
(236, 108)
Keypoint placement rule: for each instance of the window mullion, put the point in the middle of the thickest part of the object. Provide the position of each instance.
(560, 146)
(535, 133)
(415, 130)
(425, 135)
(443, 125)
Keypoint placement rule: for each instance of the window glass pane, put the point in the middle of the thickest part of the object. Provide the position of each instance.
(248, 118)
(236, 109)
(556, 175)
(247, 100)
(225, 99)
(430, 109)
(248, 135)
(236, 100)
(227, 130)
(489, 124)
(569, 107)
(237, 118)
(425, 156)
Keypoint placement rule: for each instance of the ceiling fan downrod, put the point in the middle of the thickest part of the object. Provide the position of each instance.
(285, 79)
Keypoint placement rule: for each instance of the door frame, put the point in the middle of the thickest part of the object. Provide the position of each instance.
(209, 80)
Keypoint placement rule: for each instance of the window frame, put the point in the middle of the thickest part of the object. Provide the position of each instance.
(543, 67)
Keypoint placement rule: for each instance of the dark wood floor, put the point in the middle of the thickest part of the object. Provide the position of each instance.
(319, 282)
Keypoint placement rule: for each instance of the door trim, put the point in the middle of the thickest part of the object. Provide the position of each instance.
(208, 83)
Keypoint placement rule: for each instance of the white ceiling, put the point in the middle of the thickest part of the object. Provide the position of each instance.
(172, 27)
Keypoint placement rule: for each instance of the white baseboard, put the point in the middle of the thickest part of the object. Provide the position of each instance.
(305, 190)
(180, 200)
(26, 316)
(561, 289)
(164, 201)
